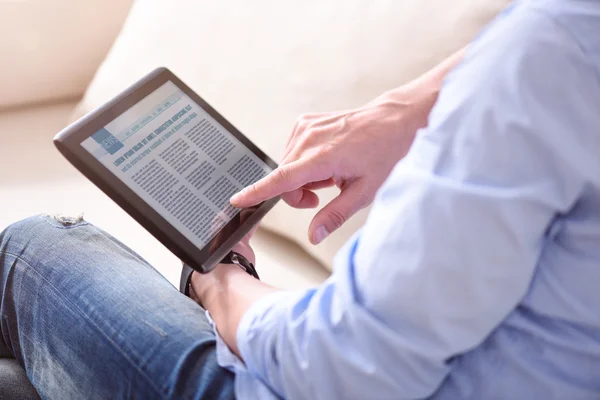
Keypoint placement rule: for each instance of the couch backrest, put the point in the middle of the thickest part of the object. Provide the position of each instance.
(262, 63)
(51, 49)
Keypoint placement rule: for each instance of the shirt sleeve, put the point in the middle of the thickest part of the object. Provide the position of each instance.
(454, 235)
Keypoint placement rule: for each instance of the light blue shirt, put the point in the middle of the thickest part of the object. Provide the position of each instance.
(477, 274)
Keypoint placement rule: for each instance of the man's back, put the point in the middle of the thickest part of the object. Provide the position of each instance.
(549, 346)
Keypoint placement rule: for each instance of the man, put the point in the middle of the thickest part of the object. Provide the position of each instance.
(475, 277)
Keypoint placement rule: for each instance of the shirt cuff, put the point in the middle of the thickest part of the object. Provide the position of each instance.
(225, 357)
(260, 317)
(246, 386)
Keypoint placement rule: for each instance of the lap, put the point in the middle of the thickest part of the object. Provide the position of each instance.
(89, 318)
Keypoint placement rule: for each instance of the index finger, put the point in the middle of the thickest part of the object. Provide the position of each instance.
(284, 179)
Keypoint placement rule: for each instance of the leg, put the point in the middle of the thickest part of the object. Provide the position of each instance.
(88, 318)
(4, 352)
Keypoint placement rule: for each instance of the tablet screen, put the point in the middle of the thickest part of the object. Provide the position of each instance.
(179, 160)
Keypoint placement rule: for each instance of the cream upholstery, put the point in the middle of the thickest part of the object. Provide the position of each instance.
(263, 63)
(51, 49)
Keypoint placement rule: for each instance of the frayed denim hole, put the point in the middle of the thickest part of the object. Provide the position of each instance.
(66, 220)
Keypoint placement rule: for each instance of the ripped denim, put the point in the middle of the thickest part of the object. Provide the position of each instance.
(90, 319)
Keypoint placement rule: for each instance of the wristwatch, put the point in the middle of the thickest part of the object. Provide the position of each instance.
(236, 258)
(231, 258)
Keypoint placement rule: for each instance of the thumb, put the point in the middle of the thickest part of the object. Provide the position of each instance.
(350, 200)
(284, 179)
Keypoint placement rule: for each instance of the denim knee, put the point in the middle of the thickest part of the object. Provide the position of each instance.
(39, 228)
(63, 242)
(65, 221)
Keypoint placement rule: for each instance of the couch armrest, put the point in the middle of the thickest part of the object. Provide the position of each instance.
(51, 49)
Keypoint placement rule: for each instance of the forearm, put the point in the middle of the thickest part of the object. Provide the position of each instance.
(421, 92)
(434, 78)
(228, 296)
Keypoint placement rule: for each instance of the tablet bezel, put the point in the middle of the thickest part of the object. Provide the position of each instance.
(69, 140)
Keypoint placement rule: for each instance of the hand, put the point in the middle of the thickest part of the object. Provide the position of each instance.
(354, 150)
(200, 283)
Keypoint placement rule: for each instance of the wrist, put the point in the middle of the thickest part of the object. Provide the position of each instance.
(228, 297)
(422, 93)
(209, 287)
(407, 108)
(430, 83)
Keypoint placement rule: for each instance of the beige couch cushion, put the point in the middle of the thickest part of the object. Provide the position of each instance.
(263, 63)
(47, 183)
(51, 49)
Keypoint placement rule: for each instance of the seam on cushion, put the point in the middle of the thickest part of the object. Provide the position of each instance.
(87, 318)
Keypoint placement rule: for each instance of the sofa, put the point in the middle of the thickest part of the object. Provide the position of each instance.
(260, 64)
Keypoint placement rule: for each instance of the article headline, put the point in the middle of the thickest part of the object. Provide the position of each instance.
(150, 142)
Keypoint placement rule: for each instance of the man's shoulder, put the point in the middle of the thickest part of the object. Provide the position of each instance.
(537, 37)
(528, 70)
(524, 25)
(577, 21)
(580, 19)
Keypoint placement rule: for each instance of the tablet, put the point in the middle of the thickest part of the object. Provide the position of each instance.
(172, 162)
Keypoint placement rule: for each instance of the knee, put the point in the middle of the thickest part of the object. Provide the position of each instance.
(37, 229)
(35, 222)
(23, 227)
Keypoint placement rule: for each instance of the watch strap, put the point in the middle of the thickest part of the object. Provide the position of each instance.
(231, 258)
(185, 280)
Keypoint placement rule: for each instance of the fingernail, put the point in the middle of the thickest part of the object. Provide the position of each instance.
(320, 234)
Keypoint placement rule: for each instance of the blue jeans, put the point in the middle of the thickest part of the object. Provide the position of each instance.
(90, 319)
